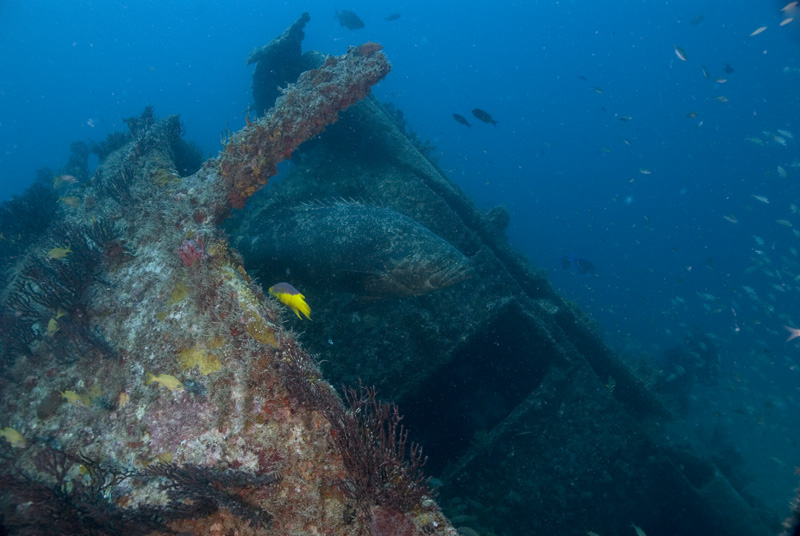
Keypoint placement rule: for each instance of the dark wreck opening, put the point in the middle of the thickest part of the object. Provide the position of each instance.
(489, 376)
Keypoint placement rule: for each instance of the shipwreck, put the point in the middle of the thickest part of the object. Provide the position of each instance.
(155, 388)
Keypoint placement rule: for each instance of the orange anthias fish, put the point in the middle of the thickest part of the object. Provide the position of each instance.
(291, 297)
(170, 382)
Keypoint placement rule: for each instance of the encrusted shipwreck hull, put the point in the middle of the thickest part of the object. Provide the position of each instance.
(530, 421)
(134, 281)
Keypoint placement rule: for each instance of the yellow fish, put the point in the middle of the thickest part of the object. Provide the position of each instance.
(13, 437)
(170, 382)
(291, 297)
(70, 200)
(59, 253)
(74, 398)
(52, 327)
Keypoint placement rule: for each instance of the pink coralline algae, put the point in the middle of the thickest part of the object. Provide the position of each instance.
(191, 250)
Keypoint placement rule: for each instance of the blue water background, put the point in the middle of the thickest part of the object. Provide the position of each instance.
(668, 260)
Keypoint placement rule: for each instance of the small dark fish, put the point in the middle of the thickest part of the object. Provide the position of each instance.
(392, 17)
(582, 266)
(367, 250)
(581, 77)
(728, 68)
(461, 119)
(350, 20)
(483, 116)
(697, 20)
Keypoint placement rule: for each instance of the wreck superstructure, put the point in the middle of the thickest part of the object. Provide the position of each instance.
(504, 383)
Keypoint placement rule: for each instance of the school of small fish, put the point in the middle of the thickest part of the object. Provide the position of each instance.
(762, 316)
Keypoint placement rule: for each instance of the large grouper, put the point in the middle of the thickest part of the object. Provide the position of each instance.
(369, 250)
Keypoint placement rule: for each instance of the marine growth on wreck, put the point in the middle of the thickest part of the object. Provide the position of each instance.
(150, 386)
(187, 348)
